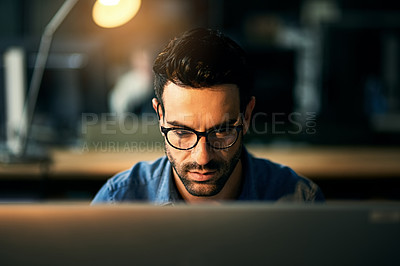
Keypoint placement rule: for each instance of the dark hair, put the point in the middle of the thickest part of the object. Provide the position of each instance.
(203, 58)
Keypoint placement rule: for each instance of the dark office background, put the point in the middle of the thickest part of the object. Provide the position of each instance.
(330, 66)
(344, 51)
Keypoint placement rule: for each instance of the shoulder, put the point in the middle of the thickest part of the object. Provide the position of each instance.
(137, 183)
(279, 182)
(140, 173)
(272, 173)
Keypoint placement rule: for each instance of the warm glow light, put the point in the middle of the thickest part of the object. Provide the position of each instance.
(109, 2)
(114, 13)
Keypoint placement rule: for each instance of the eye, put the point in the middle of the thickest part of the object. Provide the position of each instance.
(182, 133)
(223, 132)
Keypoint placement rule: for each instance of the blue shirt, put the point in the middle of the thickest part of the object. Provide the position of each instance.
(263, 181)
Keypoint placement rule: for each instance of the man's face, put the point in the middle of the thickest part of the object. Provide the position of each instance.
(202, 170)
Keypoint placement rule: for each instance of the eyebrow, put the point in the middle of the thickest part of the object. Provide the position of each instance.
(178, 124)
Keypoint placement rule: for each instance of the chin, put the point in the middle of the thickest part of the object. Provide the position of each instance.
(203, 190)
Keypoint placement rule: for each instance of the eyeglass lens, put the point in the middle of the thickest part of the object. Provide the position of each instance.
(186, 139)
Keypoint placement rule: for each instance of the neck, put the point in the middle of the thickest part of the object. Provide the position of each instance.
(230, 191)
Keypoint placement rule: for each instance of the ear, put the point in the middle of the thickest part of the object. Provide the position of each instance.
(247, 114)
(157, 108)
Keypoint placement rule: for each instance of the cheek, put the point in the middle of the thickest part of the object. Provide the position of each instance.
(226, 155)
(177, 155)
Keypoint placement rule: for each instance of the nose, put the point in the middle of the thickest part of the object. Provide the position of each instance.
(202, 152)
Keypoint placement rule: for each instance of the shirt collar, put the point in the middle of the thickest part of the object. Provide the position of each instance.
(248, 174)
(167, 192)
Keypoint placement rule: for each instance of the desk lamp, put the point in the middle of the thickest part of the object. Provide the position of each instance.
(105, 13)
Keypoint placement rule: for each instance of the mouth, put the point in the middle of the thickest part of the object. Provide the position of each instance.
(200, 176)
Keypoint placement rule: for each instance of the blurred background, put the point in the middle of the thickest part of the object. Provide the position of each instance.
(326, 83)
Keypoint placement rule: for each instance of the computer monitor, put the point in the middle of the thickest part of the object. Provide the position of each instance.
(226, 234)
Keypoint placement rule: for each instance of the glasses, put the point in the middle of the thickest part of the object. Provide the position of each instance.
(186, 139)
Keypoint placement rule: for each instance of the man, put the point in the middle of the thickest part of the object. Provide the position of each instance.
(204, 106)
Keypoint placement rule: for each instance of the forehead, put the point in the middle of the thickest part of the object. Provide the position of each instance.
(201, 107)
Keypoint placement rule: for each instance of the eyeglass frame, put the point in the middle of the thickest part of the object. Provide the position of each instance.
(200, 134)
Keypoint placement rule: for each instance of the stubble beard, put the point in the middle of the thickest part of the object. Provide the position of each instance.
(211, 187)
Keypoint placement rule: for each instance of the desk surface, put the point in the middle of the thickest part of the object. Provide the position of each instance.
(313, 162)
